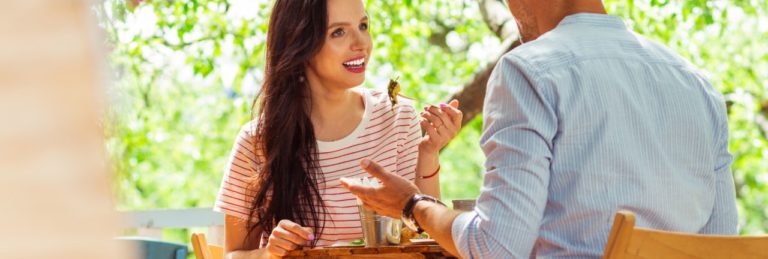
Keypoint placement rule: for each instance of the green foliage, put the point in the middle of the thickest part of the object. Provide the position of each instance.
(727, 40)
(186, 73)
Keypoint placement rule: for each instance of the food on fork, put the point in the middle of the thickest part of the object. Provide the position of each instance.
(393, 89)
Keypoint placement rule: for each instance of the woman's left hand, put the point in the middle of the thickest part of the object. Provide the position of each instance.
(441, 124)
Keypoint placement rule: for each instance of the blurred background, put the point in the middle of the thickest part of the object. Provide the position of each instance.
(185, 74)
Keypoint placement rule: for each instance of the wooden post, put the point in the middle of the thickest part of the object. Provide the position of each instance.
(54, 182)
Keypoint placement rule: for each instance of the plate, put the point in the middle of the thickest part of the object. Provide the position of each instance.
(423, 241)
(347, 244)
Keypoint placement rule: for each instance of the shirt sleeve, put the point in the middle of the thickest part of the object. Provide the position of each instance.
(408, 142)
(518, 131)
(236, 194)
(724, 218)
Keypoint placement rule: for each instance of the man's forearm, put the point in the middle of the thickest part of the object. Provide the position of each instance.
(437, 220)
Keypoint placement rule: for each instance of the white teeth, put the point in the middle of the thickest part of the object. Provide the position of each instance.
(355, 62)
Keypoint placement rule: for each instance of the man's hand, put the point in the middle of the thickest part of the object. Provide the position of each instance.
(390, 198)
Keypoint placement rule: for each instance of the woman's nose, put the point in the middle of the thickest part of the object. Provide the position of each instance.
(361, 41)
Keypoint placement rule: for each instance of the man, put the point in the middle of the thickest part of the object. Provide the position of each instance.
(583, 120)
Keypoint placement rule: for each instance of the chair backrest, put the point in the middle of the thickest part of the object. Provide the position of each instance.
(203, 250)
(627, 241)
(148, 248)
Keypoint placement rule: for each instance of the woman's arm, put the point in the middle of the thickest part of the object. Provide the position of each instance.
(427, 165)
(287, 236)
(234, 242)
(441, 124)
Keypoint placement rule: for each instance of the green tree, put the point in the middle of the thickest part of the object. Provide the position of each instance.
(186, 73)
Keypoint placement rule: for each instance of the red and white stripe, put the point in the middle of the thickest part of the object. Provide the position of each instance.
(390, 137)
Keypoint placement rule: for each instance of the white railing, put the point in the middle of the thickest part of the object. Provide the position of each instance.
(150, 223)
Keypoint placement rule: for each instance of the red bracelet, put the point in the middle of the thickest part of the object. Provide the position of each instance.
(433, 174)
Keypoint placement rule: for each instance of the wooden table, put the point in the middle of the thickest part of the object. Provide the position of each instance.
(400, 252)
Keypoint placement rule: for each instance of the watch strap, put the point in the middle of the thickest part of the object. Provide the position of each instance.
(408, 210)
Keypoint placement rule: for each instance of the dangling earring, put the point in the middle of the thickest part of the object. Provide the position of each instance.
(301, 79)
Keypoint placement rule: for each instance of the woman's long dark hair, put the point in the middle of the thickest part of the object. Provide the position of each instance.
(287, 187)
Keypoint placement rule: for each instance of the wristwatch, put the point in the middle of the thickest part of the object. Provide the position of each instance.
(407, 217)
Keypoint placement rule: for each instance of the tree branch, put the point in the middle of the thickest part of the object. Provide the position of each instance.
(500, 21)
(471, 97)
(498, 18)
(761, 119)
(762, 124)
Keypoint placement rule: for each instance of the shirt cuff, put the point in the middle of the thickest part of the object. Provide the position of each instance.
(459, 230)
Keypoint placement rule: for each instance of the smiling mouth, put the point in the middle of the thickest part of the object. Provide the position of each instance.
(355, 66)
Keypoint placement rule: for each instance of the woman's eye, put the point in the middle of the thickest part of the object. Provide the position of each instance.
(363, 26)
(337, 33)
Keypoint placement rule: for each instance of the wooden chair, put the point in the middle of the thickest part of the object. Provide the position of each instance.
(627, 241)
(203, 250)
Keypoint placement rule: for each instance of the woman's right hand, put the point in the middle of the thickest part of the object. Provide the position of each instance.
(288, 236)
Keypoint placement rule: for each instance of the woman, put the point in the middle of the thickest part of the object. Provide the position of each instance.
(281, 190)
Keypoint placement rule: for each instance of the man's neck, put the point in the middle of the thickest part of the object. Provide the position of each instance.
(551, 17)
(583, 6)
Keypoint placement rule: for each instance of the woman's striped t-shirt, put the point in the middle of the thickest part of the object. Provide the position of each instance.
(385, 135)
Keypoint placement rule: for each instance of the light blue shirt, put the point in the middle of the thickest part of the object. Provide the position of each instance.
(587, 120)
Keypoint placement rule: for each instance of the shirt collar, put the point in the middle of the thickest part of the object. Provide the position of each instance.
(594, 19)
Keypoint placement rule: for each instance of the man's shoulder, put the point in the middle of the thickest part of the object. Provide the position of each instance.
(662, 53)
(540, 50)
(568, 45)
(535, 57)
(561, 47)
(549, 50)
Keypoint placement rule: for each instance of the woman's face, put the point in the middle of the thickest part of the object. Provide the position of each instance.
(341, 61)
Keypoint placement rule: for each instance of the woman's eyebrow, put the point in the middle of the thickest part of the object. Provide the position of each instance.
(365, 18)
(337, 24)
